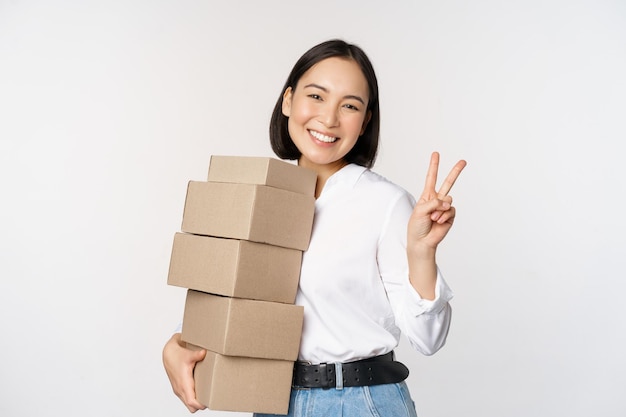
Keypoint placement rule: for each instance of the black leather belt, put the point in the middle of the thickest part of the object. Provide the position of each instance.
(372, 371)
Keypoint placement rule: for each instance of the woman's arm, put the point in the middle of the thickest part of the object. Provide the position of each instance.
(429, 223)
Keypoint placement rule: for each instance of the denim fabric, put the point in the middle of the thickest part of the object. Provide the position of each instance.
(388, 400)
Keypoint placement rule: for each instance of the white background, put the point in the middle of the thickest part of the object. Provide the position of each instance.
(107, 109)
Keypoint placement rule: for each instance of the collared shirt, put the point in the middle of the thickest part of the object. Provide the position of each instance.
(354, 281)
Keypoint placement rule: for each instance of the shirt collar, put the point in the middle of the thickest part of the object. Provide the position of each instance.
(348, 176)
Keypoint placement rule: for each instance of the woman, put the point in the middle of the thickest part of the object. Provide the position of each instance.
(370, 271)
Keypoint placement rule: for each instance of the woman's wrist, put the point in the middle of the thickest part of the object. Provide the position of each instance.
(422, 270)
(421, 252)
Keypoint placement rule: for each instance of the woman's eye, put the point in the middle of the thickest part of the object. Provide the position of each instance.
(315, 96)
(351, 107)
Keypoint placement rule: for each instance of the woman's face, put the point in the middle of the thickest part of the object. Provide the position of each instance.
(327, 112)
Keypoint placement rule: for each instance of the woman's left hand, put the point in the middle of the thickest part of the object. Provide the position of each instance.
(433, 214)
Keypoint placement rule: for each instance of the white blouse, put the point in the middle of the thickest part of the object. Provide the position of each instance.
(354, 282)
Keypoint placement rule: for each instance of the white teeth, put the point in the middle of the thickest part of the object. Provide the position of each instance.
(323, 138)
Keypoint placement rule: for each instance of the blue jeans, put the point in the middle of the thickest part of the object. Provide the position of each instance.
(388, 400)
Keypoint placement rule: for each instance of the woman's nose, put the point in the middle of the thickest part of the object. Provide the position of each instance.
(329, 116)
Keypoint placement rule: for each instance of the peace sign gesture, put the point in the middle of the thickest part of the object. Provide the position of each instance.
(433, 214)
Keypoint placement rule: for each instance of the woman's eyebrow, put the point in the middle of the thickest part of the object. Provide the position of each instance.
(324, 89)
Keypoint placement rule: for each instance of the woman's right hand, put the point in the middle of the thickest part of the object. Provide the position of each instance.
(179, 362)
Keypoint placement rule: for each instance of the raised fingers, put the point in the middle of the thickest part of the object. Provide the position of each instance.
(451, 178)
(431, 175)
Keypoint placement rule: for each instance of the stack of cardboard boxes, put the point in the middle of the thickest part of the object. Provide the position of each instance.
(239, 255)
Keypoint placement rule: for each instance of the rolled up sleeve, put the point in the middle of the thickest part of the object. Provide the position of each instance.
(426, 322)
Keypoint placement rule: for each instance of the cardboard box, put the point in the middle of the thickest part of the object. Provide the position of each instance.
(235, 268)
(250, 212)
(243, 384)
(239, 327)
(262, 171)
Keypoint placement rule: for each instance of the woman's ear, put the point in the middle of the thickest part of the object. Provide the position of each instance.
(367, 119)
(287, 101)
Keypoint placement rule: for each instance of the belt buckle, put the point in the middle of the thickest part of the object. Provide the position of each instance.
(331, 375)
(325, 381)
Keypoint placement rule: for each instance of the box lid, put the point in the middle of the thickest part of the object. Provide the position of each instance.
(262, 171)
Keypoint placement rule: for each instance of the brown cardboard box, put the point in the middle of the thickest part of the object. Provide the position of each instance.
(238, 327)
(243, 384)
(235, 268)
(262, 171)
(250, 212)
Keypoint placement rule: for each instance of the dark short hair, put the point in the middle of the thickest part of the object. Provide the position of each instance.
(365, 150)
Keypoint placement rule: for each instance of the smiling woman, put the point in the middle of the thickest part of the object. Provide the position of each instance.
(327, 112)
(364, 150)
(369, 273)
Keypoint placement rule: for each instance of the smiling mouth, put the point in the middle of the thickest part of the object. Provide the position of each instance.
(322, 138)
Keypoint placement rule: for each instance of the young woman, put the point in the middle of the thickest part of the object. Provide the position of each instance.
(370, 272)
